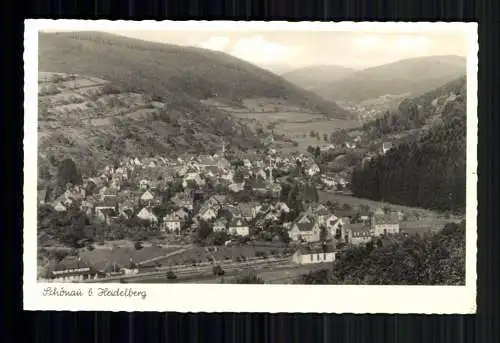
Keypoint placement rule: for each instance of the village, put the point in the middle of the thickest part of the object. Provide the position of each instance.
(211, 213)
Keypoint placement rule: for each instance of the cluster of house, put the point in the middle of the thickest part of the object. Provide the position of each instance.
(135, 187)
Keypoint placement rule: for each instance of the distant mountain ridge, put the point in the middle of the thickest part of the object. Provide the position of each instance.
(317, 76)
(413, 76)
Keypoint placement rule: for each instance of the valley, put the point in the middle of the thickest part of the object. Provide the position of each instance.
(160, 162)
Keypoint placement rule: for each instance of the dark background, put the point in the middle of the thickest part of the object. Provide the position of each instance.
(68, 327)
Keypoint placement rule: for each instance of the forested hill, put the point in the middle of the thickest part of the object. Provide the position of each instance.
(428, 172)
(424, 111)
(177, 74)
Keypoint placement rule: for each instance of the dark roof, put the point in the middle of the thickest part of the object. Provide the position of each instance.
(358, 227)
(345, 213)
(109, 212)
(258, 184)
(106, 202)
(305, 226)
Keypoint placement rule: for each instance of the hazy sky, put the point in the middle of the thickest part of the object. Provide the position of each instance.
(297, 49)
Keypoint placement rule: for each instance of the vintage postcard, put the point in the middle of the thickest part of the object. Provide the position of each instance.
(250, 166)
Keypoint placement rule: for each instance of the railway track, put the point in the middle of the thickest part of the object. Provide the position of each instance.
(206, 272)
(192, 270)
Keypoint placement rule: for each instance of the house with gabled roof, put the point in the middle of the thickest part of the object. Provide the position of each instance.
(147, 214)
(220, 225)
(147, 197)
(239, 227)
(207, 214)
(305, 231)
(382, 224)
(357, 234)
(171, 223)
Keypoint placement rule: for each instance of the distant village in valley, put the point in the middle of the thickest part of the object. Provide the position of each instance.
(209, 213)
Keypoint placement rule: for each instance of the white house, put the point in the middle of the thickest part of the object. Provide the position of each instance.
(308, 232)
(147, 214)
(130, 268)
(207, 214)
(238, 227)
(382, 224)
(318, 255)
(313, 170)
(171, 223)
(144, 184)
(220, 225)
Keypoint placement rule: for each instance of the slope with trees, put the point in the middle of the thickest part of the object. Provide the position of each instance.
(424, 111)
(428, 171)
(175, 73)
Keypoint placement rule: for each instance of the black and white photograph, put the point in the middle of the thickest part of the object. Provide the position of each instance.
(261, 155)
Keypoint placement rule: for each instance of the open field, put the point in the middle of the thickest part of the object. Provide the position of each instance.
(221, 254)
(282, 119)
(354, 201)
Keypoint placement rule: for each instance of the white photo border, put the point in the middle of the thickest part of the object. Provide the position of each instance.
(247, 298)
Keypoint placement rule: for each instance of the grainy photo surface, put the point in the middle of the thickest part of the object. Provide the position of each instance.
(258, 156)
